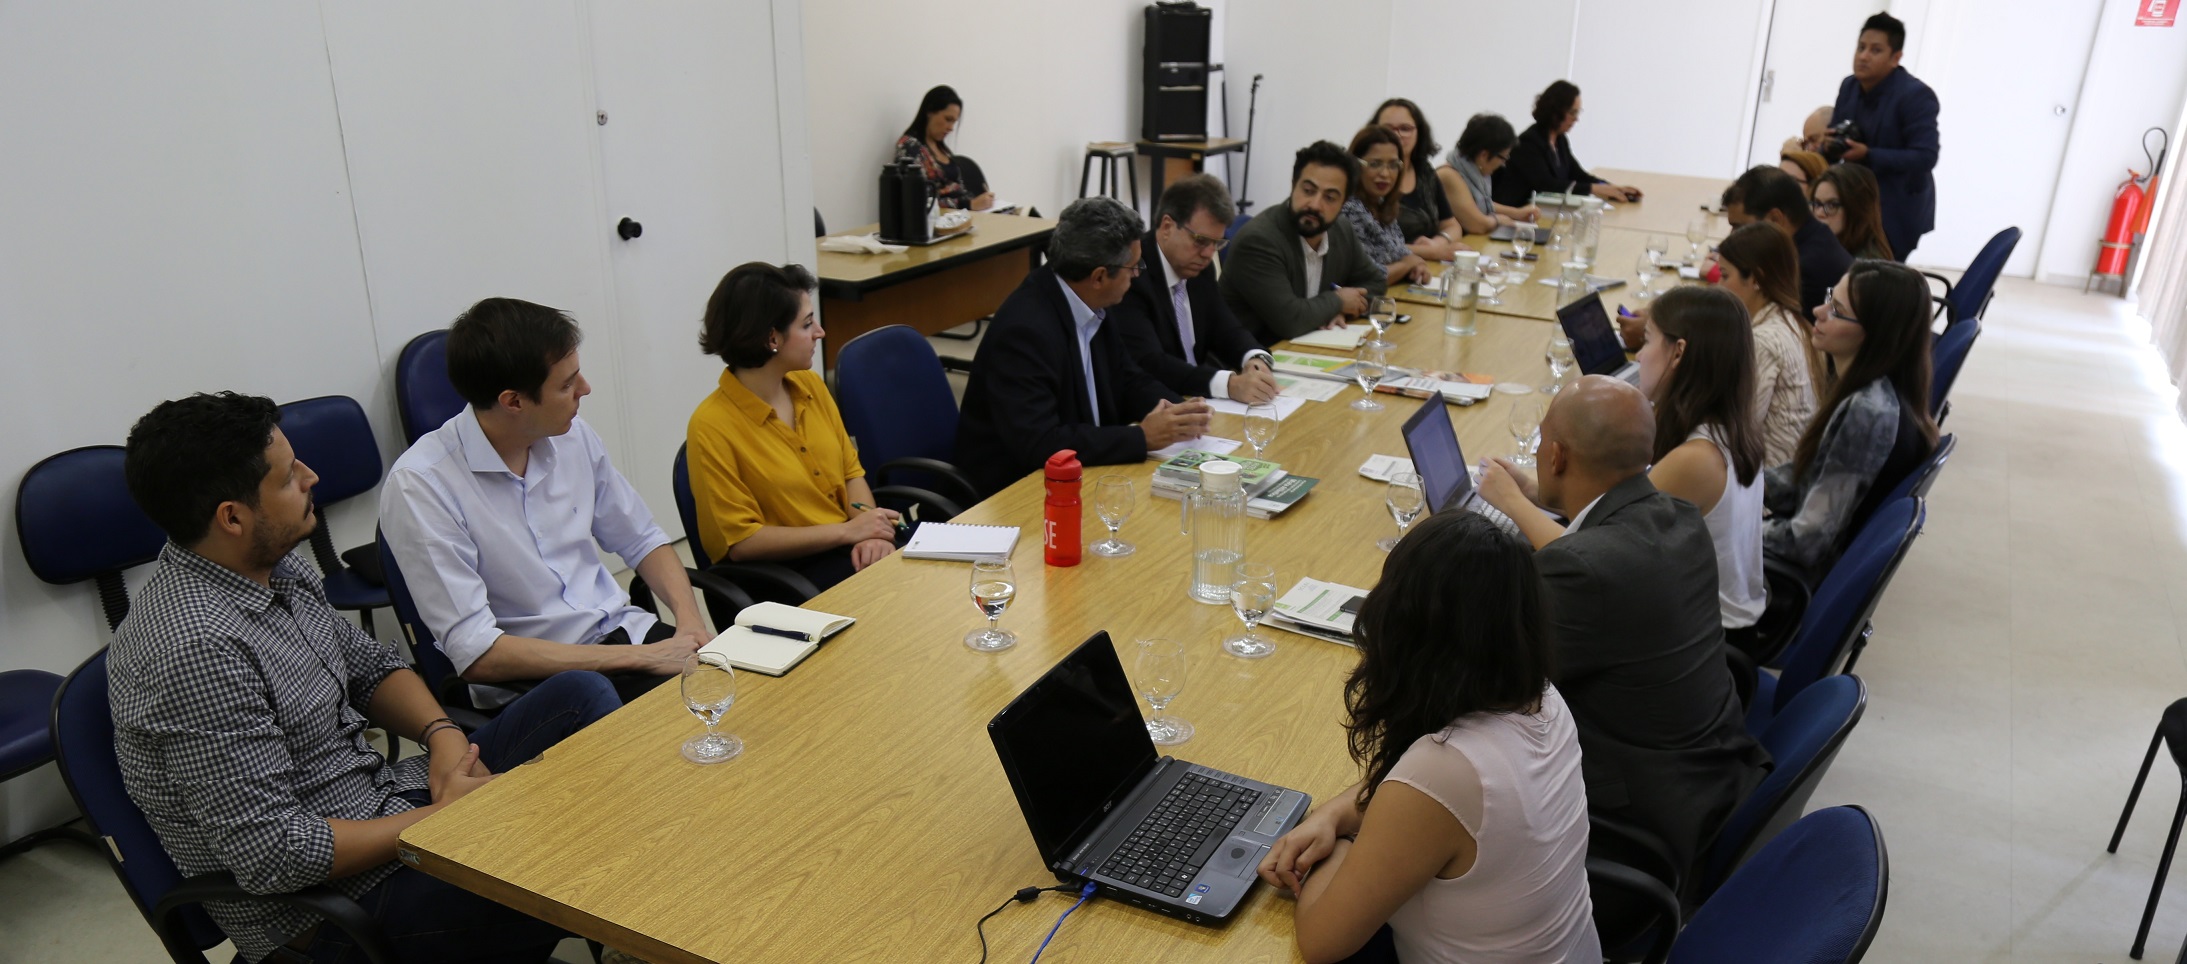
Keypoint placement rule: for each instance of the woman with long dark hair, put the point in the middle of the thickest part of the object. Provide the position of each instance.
(1845, 198)
(1697, 368)
(1468, 834)
(1874, 331)
(1423, 211)
(1373, 205)
(1543, 161)
(1762, 269)
(957, 182)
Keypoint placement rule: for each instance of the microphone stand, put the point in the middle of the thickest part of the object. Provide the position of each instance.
(1252, 104)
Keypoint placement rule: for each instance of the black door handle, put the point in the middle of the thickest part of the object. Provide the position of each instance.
(628, 229)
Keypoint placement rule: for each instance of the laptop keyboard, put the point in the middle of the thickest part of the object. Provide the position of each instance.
(1168, 848)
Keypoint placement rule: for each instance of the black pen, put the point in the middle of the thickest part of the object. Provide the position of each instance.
(784, 633)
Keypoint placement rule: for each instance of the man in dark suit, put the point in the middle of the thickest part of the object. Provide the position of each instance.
(1640, 642)
(1174, 317)
(1297, 266)
(1895, 115)
(1051, 375)
(1767, 193)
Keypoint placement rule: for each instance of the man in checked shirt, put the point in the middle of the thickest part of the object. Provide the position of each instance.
(241, 698)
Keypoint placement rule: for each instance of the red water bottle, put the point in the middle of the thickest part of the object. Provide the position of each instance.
(1063, 508)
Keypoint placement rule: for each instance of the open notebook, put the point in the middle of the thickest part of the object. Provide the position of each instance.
(960, 543)
(798, 633)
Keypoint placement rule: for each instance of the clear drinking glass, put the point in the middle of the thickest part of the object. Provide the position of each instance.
(1252, 595)
(1522, 241)
(709, 689)
(1406, 500)
(994, 584)
(1159, 674)
(1493, 276)
(1644, 272)
(1113, 501)
(1381, 313)
(1559, 229)
(1368, 369)
(1697, 231)
(1561, 363)
(1658, 247)
(1526, 420)
(1260, 427)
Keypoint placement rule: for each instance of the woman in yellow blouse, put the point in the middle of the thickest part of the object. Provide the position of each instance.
(773, 472)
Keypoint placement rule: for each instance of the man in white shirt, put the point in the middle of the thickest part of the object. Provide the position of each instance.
(494, 518)
(1180, 330)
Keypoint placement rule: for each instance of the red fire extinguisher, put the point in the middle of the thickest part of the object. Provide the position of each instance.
(2130, 211)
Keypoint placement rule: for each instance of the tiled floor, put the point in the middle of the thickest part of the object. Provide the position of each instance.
(2019, 664)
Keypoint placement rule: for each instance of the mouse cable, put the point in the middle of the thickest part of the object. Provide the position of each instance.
(1025, 895)
(1084, 894)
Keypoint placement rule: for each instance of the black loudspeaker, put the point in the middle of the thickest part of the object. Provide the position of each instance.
(1175, 80)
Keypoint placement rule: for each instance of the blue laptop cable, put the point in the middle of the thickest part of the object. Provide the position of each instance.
(1084, 894)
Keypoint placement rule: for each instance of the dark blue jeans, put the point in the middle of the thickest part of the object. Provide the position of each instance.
(431, 921)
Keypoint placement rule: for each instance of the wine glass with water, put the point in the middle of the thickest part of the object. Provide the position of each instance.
(1368, 369)
(1381, 313)
(994, 584)
(1522, 241)
(1251, 596)
(1406, 498)
(1561, 362)
(1159, 675)
(1526, 421)
(1697, 232)
(709, 689)
(1493, 276)
(1260, 427)
(1113, 502)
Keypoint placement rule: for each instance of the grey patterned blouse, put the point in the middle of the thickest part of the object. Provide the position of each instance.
(1865, 446)
(1385, 243)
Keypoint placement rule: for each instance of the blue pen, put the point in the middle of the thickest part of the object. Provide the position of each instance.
(784, 633)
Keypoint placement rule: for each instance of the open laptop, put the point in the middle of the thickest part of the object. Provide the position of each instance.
(1153, 831)
(1444, 478)
(1595, 341)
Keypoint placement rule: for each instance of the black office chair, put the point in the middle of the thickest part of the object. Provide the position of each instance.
(2171, 734)
(332, 435)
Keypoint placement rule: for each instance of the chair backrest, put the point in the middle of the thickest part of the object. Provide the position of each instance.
(77, 521)
(434, 665)
(1231, 233)
(894, 397)
(1971, 296)
(687, 508)
(1918, 482)
(1946, 355)
(424, 397)
(332, 435)
(1848, 596)
(1816, 893)
(83, 739)
(1801, 740)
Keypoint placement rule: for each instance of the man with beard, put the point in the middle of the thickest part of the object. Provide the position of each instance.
(241, 698)
(1297, 266)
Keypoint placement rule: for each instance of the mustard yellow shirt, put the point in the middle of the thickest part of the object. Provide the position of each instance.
(748, 469)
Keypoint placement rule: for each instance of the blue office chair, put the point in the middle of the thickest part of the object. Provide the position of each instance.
(1970, 296)
(26, 743)
(897, 404)
(1917, 483)
(1231, 233)
(83, 727)
(77, 521)
(1802, 741)
(332, 435)
(424, 397)
(1947, 355)
(432, 665)
(1836, 628)
(1814, 894)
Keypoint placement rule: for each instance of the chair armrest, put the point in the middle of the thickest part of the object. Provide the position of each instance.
(954, 483)
(1789, 595)
(1947, 282)
(341, 912)
(724, 599)
(938, 509)
(1629, 846)
(767, 581)
(1609, 875)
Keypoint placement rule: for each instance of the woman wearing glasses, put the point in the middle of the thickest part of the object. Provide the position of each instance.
(1373, 207)
(1483, 149)
(1846, 199)
(1423, 211)
(1467, 838)
(1543, 160)
(1874, 331)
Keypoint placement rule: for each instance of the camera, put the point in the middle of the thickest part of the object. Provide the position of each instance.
(1834, 140)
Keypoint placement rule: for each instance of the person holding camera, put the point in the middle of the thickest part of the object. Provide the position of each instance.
(1886, 120)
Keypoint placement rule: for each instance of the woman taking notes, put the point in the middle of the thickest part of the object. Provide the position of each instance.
(773, 473)
(1482, 150)
(1697, 368)
(1874, 328)
(1761, 268)
(1543, 161)
(1845, 198)
(958, 185)
(1468, 836)
(1423, 211)
(1373, 205)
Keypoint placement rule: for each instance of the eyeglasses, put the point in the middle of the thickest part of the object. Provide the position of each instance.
(1827, 208)
(1505, 157)
(1204, 243)
(1383, 165)
(1402, 128)
(1838, 311)
(1128, 270)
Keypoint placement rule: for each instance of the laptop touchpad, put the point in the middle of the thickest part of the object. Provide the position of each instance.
(1237, 857)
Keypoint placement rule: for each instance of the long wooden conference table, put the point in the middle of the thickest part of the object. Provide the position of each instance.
(868, 819)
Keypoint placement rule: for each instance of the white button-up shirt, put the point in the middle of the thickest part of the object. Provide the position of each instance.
(1218, 386)
(487, 552)
(1088, 324)
(1314, 255)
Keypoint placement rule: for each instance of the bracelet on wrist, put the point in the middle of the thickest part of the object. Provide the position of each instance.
(425, 739)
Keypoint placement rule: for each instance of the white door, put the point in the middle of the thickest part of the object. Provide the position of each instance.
(2004, 119)
(1810, 52)
(704, 146)
(1673, 113)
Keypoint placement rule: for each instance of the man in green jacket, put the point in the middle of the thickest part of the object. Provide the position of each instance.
(1297, 266)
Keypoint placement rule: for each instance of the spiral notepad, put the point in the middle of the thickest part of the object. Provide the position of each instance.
(960, 543)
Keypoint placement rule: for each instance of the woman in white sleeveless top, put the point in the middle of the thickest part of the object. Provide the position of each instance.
(1697, 367)
(1468, 836)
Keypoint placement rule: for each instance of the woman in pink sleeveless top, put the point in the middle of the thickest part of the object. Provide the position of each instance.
(1468, 835)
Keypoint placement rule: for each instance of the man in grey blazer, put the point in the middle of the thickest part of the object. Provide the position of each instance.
(1640, 641)
(1297, 266)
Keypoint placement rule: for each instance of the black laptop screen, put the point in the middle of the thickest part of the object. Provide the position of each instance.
(1437, 457)
(1594, 341)
(1073, 745)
